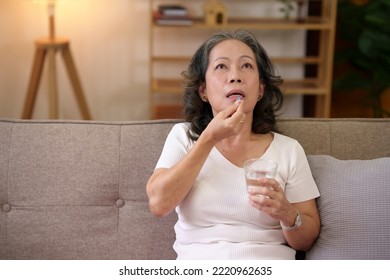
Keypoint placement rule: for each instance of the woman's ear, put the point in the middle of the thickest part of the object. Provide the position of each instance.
(202, 93)
(201, 89)
(261, 91)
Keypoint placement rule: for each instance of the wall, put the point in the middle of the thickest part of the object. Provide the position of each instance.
(110, 45)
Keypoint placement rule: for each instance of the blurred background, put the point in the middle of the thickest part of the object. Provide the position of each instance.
(110, 43)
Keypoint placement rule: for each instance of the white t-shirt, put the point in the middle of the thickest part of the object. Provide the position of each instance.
(215, 220)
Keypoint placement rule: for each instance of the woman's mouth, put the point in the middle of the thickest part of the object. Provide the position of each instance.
(235, 94)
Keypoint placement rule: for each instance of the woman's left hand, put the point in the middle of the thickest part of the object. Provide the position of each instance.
(268, 197)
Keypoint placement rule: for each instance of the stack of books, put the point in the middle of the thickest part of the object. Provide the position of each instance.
(172, 15)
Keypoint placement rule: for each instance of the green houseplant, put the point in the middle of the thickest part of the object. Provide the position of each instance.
(364, 26)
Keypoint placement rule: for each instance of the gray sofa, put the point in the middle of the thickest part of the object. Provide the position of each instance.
(76, 189)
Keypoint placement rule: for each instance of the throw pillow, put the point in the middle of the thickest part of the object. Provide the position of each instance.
(354, 207)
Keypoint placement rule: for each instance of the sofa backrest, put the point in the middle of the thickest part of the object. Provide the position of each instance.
(341, 138)
(76, 189)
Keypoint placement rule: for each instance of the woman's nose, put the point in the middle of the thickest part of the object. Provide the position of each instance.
(235, 77)
(235, 80)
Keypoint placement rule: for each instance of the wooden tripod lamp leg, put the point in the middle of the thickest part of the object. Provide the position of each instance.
(53, 92)
(35, 78)
(72, 72)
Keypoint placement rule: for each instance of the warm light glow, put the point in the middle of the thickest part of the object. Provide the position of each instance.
(46, 1)
(49, 2)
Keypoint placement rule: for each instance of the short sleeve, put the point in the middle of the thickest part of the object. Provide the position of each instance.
(176, 146)
(300, 184)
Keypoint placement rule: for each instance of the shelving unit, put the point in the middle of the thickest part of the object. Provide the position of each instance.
(165, 92)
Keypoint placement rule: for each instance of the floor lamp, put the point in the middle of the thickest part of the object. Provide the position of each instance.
(48, 47)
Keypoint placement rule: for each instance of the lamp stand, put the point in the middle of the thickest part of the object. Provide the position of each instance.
(48, 47)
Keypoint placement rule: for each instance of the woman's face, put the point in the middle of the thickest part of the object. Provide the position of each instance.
(232, 73)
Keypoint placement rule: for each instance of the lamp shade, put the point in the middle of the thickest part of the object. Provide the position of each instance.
(51, 7)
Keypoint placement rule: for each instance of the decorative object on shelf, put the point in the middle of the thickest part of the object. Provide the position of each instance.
(300, 11)
(287, 8)
(49, 46)
(290, 5)
(215, 13)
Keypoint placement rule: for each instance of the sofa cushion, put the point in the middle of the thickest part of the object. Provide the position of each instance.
(354, 207)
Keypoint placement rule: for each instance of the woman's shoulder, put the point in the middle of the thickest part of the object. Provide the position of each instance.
(180, 131)
(287, 144)
(278, 137)
(180, 127)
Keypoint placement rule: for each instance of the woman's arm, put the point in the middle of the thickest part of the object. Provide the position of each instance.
(167, 187)
(269, 198)
(305, 235)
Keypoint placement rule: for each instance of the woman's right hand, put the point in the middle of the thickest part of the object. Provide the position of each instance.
(226, 123)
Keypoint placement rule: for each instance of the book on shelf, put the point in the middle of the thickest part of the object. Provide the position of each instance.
(172, 10)
(162, 19)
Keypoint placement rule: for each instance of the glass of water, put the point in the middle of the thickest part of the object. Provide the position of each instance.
(259, 168)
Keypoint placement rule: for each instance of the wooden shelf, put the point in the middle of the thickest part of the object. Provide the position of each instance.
(314, 23)
(186, 59)
(167, 111)
(290, 87)
(166, 86)
(305, 86)
(319, 86)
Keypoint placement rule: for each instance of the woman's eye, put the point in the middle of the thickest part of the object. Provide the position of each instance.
(247, 65)
(220, 66)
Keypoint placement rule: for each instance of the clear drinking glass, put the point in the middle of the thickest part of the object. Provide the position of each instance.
(259, 168)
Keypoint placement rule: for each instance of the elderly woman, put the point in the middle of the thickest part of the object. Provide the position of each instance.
(230, 100)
